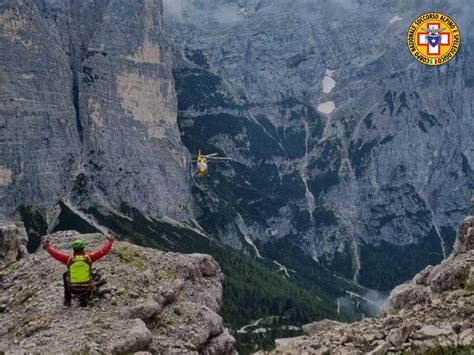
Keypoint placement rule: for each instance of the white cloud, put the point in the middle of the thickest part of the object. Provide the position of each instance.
(349, 5)
(174, 9)
(227, 15)
(189, 11)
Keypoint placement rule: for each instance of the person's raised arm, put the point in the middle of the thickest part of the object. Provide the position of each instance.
(56, 254)
(100, 253)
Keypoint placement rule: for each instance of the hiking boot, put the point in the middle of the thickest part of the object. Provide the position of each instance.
(83, 301)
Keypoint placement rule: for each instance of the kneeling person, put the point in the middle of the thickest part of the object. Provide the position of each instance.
(78, 280)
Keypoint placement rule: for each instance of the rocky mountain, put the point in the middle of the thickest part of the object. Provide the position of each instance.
(344, 147)
(433, 312)
(145, 301)
(350, 159)
(88, 107)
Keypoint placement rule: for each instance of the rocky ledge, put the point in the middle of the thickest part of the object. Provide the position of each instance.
(434, 311)
(147, 301)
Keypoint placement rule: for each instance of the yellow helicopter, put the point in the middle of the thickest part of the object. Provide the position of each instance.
(201, 162)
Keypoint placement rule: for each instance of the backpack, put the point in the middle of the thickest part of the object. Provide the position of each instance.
(79, 267)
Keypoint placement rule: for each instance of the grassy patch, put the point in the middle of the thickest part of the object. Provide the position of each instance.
(93, 335)
(12, 265)
(24, 296)
(130, 256)
(100, 319)
(166, 275)
(179, 310)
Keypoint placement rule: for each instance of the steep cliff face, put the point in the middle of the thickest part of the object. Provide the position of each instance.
(433, 313)
(145, 300)
(39, 142)
(88, 110)
(343, 144)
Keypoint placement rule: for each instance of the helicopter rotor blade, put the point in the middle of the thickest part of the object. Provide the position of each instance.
(219, 158)
(211, 155)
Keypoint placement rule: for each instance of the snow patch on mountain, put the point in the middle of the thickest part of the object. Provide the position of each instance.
(326, 107)
(395, 18)
(328, 82)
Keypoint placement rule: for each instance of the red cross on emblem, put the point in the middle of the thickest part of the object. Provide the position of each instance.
(445, 39)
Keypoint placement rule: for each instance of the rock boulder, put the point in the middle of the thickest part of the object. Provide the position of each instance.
(13, 239)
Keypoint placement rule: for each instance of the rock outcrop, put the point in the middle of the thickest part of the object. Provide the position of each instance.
(13, 239)
(146, 301)
(433, 310)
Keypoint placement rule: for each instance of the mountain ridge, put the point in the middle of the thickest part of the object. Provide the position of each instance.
(340, 142)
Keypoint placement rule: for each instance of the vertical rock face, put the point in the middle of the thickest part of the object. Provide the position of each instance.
(128, 105)
(13, 240)
(90, 108)
(39, 143)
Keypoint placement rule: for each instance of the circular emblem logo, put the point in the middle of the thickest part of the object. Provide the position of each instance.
(433, 38)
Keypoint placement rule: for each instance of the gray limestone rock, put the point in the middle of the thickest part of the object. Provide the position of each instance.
(406, 296)
(398, 336)
(13, 241)
(169, 291)
(380, 349)
(145, 310)
(454, 274)
(220, 345)
(89, 110)
(128, 106)
(321, 326)
(465, 237)
(432, 331)
(466, 338)
(422, 276)
(137, 337)
(39, 136)
(206, 265)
